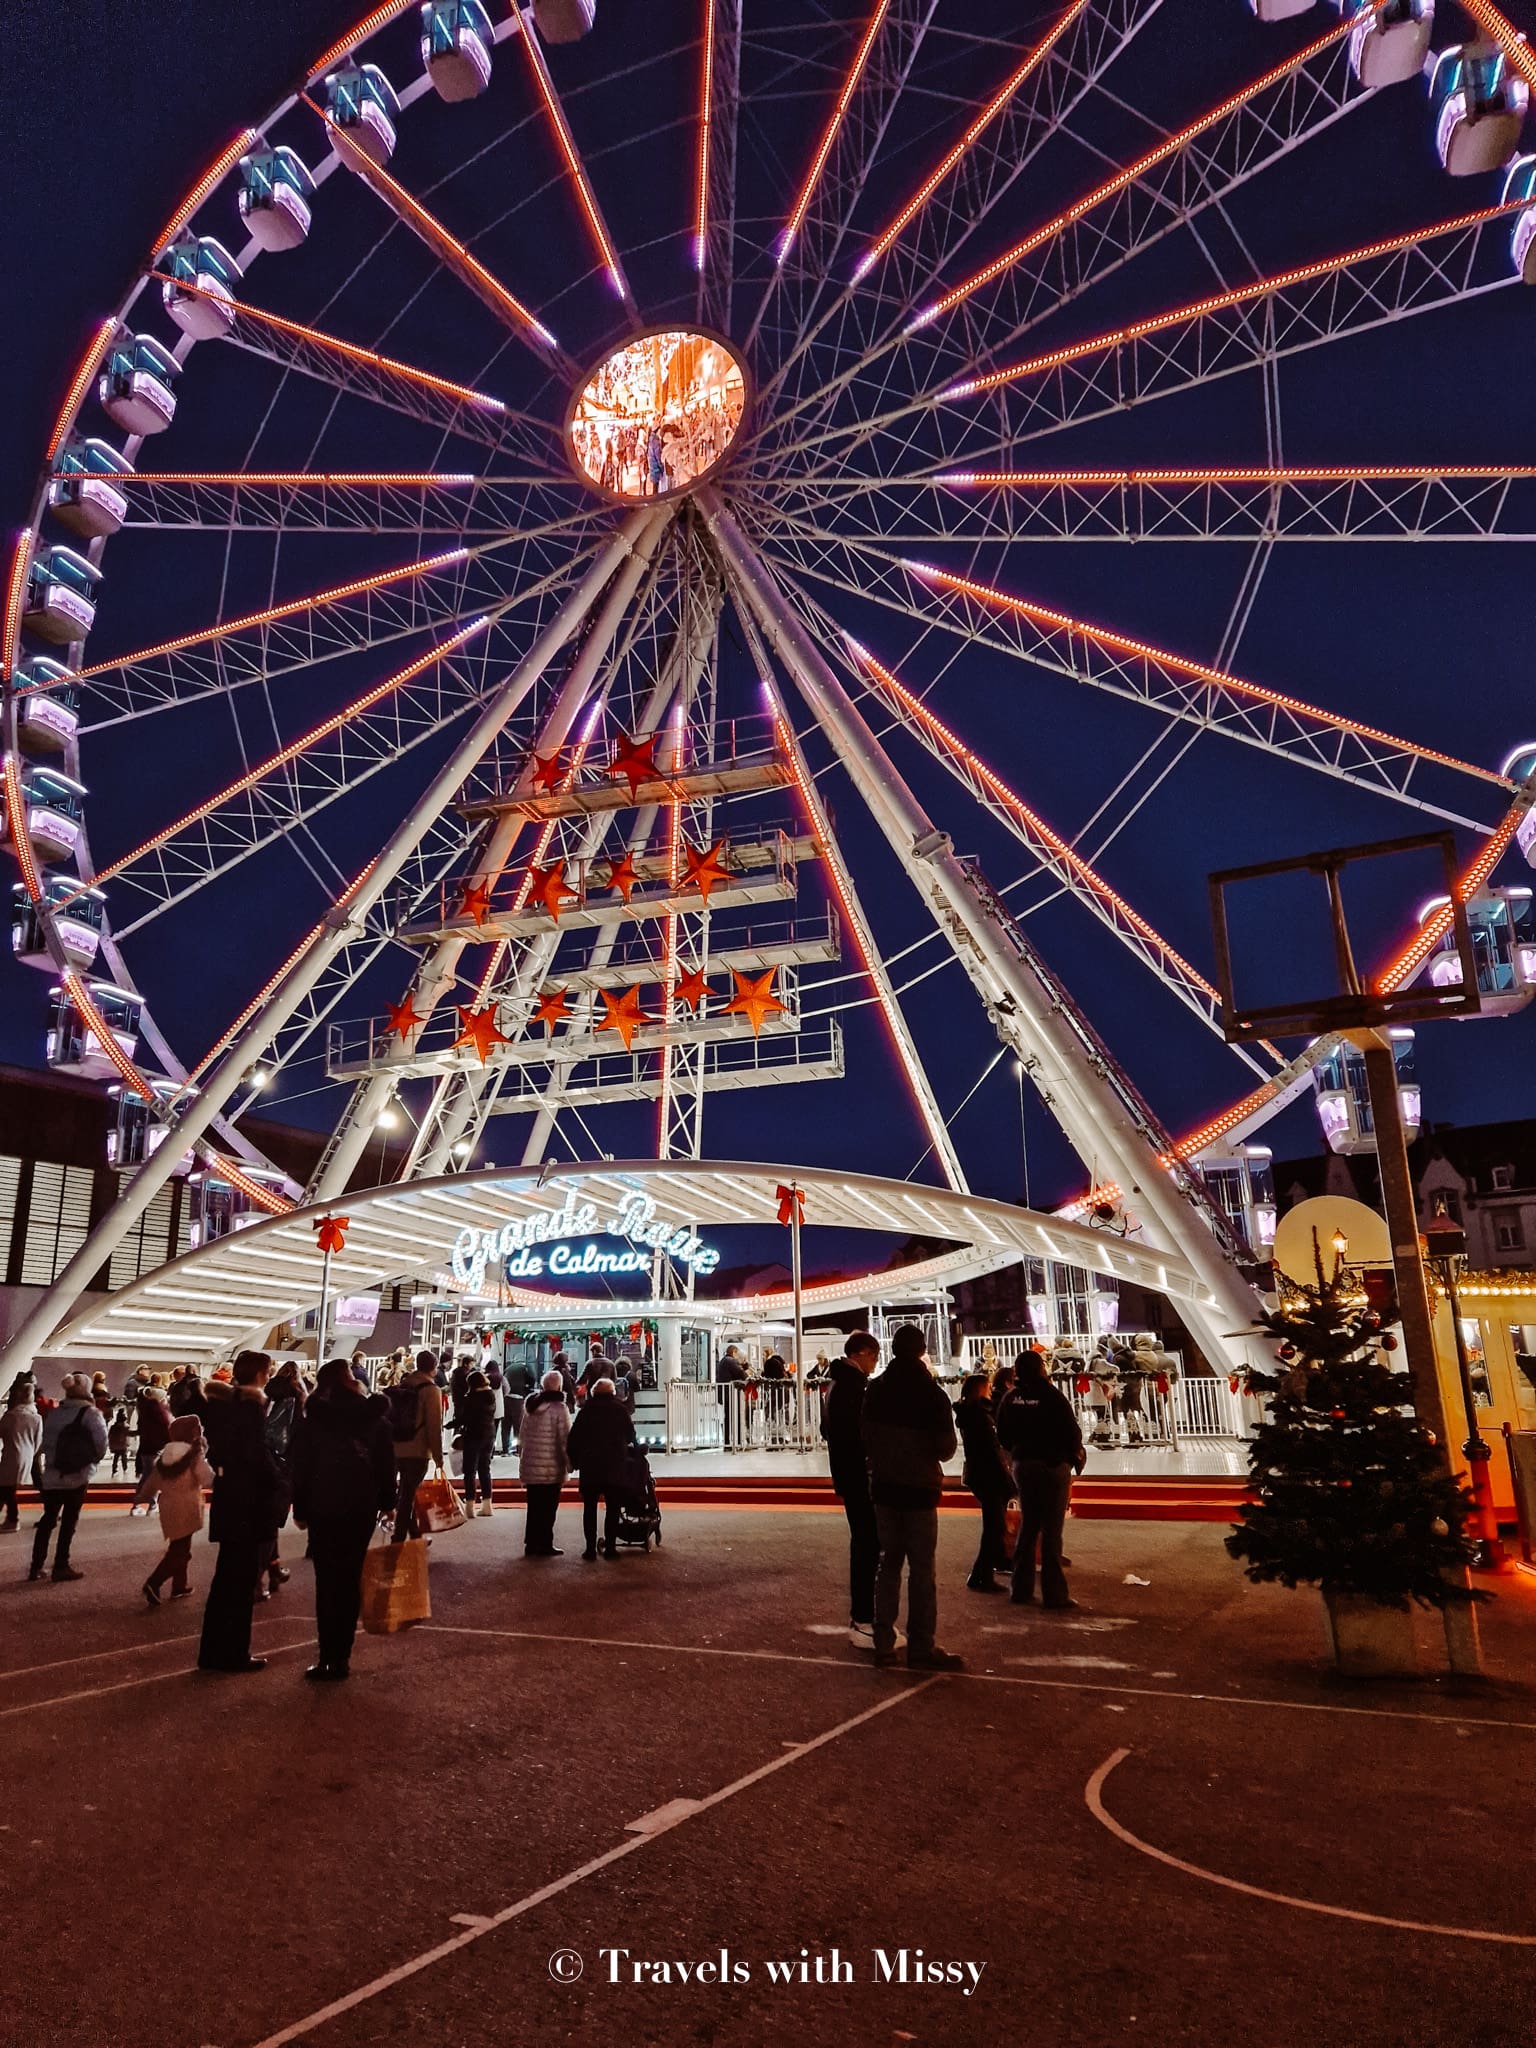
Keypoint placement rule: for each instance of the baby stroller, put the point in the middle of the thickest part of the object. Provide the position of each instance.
(639, 1511)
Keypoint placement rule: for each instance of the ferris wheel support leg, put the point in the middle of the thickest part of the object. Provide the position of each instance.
(1084, 1102)
(435, 975)
(339, 927)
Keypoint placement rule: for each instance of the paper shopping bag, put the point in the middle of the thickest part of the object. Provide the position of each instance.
(1013, 1521)
(438, 1506)
(394, 1589)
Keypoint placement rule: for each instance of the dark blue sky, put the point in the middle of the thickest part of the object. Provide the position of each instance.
(111, 115)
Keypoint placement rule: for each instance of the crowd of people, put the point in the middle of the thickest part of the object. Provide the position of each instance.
(344, 1453)
(657, 415)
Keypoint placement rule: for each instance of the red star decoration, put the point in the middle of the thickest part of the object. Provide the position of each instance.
(550, 888)
(479, 1030)
(403, 1019)
(554, 1008)
(706, 871)
(623, 875)
(623, 1013)
(547, 769)
(753, 1000)
(636, 759)
(691, 988)
(475, 900)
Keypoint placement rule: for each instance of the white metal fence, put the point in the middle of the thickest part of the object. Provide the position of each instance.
(754, 1415)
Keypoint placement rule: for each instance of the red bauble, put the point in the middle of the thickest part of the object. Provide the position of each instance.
(1287, 1351)
(1389, 1342)
(1337, 1414)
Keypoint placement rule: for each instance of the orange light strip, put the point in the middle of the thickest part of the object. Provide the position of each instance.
(1509, 39)
(988, 114)
(277, 479)
(1117, 479)
(1306, 273)
(74, 398)
(433, 230)
(706, 124)
(824, 148)
(15, 591)
(1010, 800)
(1199, 1141)
(369, 24)
(16, 820)
(669, 928)
(277, 979)
(350, 349)
(1143, 650)
(264, 1197)
(1139, 169)
(274, 613)
(291, 752)
(83, 1001)
(607, 254)
(222, 164)
(1424, 941)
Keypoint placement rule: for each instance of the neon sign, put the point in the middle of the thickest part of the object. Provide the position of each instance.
(634, 1219)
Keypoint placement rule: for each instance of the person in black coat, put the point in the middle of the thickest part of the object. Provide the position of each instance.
(989, 1476)
(250, 1498)
(1039, 1432)
(600, 1437)
(840, 1419)
(342, 1460)
(477, 1422)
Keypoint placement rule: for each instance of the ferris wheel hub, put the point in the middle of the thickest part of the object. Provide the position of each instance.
(657, 416)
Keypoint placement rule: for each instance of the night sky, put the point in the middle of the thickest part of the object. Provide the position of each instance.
(112, 115)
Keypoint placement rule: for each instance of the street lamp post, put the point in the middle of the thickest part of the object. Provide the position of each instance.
(1447, 1255)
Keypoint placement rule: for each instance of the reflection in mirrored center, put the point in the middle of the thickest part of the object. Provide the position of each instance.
(658, 414)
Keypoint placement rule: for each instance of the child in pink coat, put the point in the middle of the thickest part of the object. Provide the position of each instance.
(177, 1480)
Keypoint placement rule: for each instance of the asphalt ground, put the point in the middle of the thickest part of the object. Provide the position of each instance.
(1160, 1819)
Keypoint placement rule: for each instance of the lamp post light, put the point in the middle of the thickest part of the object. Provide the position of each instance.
(1446, 1253)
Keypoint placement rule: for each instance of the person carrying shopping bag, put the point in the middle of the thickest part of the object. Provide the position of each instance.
(416, 1426)
(176, 1482)
(342, 1462)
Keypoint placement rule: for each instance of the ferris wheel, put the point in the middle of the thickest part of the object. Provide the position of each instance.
(543, 458)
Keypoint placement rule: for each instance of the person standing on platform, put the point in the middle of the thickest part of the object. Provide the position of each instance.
(729, 1372)
(416, 1421)
(600, 1436)
(477, 1420)
(517, 1383)
(343, 1465)
(542, 1463)
(840, 1417)
(1039, 1432)
(153, 1414)
(250, 1499)
(21, 1433)
(989, 1477)
(908, 1428)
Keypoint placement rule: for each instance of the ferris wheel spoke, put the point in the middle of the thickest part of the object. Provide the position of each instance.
(1186, 691)
(1388, 503)
(518, 319)
(1054, 854)
(586, 199)
(714, 210)
(819, 218)
(436, 504)
(899, 266)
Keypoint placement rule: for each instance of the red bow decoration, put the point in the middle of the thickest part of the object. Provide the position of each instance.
(791, 1204)
(1082, 1383)
(1232, 1383)
(636, 1332)
(331, 1233)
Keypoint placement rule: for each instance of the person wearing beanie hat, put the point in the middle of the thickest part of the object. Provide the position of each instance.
(250, 1498)
(177, 1481)
(908, 1429)
(1040, 1432)
(74, 1444)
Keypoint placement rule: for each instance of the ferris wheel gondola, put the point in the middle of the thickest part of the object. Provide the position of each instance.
(818, 424)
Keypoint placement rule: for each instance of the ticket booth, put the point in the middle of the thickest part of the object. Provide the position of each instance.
(1498, 1329)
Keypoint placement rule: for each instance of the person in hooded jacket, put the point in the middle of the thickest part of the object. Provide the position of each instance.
(600, 1436)
(477, 1419)
(176, 1482)
(250, 1498)
(74, 1444)
(21, 1434)
(989, 1476)
(542, 1463)
(1040, 1432)
(840, 1432)
(342, 1462)
(154, 1424)
(908, 1427)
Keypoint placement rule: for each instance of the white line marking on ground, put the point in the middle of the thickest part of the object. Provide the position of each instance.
(428, 1957)
(97, 1692)
(468, 1920)
(861, 1663)
(1072, 1663)
(664, 1816)
(1093, 1799)
(127, 1650)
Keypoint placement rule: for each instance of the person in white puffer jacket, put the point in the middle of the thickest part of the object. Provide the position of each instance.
(542, 1463)
(177, 1481)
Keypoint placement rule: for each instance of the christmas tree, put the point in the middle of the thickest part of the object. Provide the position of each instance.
(1352, 1497)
